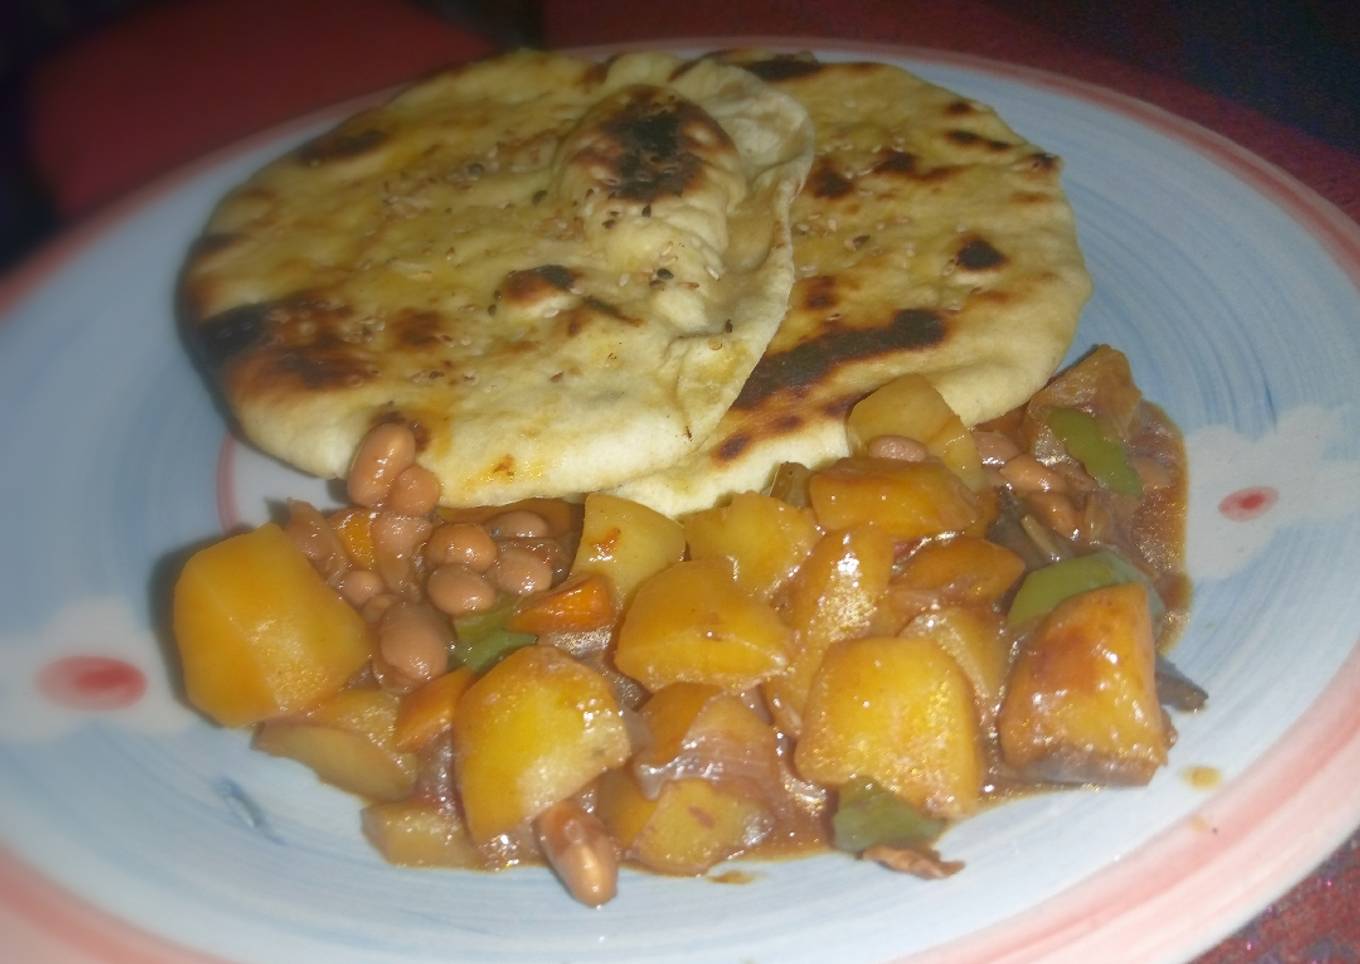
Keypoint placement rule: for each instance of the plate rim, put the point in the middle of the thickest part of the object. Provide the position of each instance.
(1230, 837)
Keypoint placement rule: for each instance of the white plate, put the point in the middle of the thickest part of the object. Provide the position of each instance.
(132, 830)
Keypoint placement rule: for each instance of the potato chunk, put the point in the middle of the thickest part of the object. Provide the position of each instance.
(965, 570)
(260, 634)
(534, 730)
(833, 597)
(975, 639)
(627, 542)
(899, 712)
(691, 826)
(910, 406)
(1081, 705)
(348, 741)
(764, 538)
(419, 833)
(908, 500)
(690, 623)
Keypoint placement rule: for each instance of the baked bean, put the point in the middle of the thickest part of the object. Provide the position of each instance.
(396, 540)
(580, 850)
(414, 492)
(359, 586)
(1057, 512)
(461, 543)
(521, 571)
(385, 452)
(458, 590)
(1027, 474)
(377, 606)
(518, 524)
(549, 550)
(315, 539)
(995, 448)
(388, 677)
(414, 639)
(899, 448)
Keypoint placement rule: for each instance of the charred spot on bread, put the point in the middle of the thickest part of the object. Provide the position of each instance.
(533, 284)
(969, 139)
(909, 329)
(784, 67)
(648, 146)
(977, 254)
(827, 182)
(339, 145)
(732, 446)
(222, 337)
(819, 291)
(417, 328)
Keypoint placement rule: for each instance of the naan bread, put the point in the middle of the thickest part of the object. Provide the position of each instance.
(560, 273)
(929, 238)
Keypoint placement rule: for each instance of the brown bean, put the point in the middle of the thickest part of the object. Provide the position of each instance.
(899, 448)
(521, 571)
(1027, 474)
(461, 543)
(414, 639)
(385, 452)
(549, 550)
(414, 492)
(315, 539)
(396, 543)
(377, 606)
(995, 448)
(359, 586)
(580, 850)
(457, 590)
(518, 524)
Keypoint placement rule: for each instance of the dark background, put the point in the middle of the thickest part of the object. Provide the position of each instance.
(1298, 63)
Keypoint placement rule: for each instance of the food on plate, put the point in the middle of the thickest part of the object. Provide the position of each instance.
(858, 658)
(930, 238)
(909, 573)
(558, 272)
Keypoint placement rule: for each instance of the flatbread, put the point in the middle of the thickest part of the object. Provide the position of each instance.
(560, 273)
(929, 238)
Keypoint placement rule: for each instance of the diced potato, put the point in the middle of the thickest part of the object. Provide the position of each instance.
(348, 741)
(702, 731)
(1081, 704)
(626, 542)
(354, 526)
(428, 711)
(581, 603)
(908, 500)
(419, 833)
(534, 730)
(690, 827)
(765, 539)
(690, 623)
(965, 570)
(899, 712)
(834, 596)
(910, 406)
(260, 634)
(976, 641)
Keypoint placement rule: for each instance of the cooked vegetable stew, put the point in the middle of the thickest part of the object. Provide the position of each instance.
(857, 658)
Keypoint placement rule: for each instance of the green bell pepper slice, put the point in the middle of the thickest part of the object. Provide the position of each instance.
(1043, 589)
(1103, 457)
(868, 815)
(482, 639)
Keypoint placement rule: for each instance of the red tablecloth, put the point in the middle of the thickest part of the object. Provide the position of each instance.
(182, 78)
